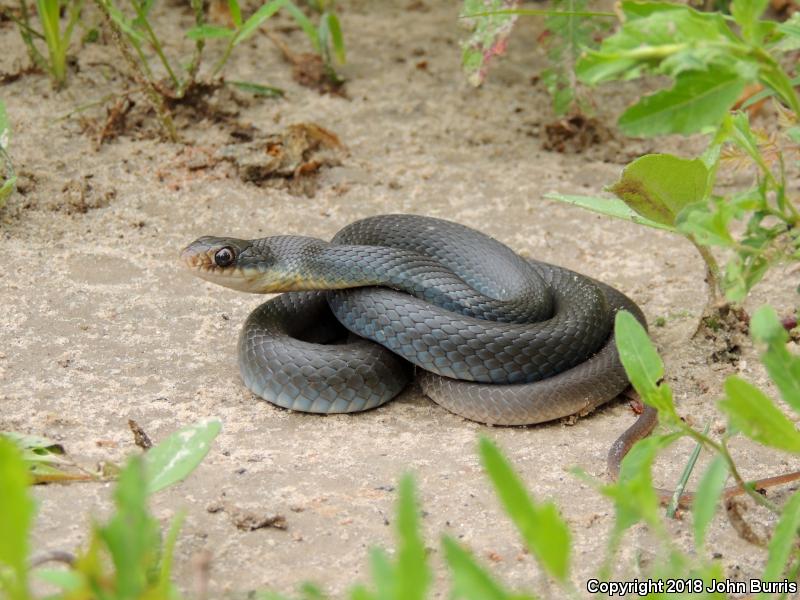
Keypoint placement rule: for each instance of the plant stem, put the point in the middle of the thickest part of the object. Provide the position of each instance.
(151, 91)
(27, 35)
(225, 55)
(194, 66)
(155, 43)
(713, 280)
(721, 448)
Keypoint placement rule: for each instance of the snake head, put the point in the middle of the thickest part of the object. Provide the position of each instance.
(231, 262)
(262, 266)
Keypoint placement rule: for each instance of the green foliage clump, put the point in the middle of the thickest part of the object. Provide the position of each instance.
(760, 226)
(710, 60)
(126, 557)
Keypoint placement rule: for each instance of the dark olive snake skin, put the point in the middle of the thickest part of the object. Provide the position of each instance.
(496, 338)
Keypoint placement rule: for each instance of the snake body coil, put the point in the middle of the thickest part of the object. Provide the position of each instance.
(497, 338)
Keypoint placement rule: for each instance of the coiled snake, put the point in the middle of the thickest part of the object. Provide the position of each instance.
(497, 338)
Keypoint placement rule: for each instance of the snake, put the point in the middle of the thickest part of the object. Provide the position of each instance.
(491, 336)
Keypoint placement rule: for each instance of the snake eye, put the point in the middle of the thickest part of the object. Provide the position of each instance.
(224, 257)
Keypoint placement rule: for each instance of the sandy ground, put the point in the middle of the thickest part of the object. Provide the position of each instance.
(101, 324)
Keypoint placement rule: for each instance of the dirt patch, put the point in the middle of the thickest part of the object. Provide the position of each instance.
(101, 324)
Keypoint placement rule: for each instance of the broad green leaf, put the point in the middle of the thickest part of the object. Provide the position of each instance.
(257, 18)
(642, 43)
(208, 32)
(36, 445)
(754, 414)
(470, 580)
(699, 99)
(706, 499)
(45, 459)
(544, 531)
(783, 542)
(178, 455)
(765, 327)
(642, 364)
(747, 14)
(16, 517)
(635, 9)
(706, 223)
(659, 186)
(489, 35)
(413, 574)
(612, 207)
(783, 366)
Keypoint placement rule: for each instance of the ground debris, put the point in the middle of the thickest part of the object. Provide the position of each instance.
(292, 156)
(309, 70)
(247, 520)
(574, 134)
(140, 437)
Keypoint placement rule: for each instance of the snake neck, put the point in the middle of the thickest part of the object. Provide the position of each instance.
(335, 267)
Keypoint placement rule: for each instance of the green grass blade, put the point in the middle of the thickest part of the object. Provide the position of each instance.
(207, 32)
(257, 89)
(337, 39)
(236, 12)
(544, 531)
(257, 18)
(699, 99)
(305, 24)
(165, 586)
(706, 498)
(132, 536)
(672, 507)
(16, 517)
(178, 455)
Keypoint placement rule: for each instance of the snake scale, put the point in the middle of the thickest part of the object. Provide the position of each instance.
(495, 338)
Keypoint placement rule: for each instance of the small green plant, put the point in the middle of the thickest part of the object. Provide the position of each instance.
(326, 37)
(760, 226)
(570, 28)
(55, 37)
(125, 557)
(710, 57)
(8, 178)
(136, 38)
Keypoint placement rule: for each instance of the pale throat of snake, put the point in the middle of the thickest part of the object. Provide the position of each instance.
(266, 265)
